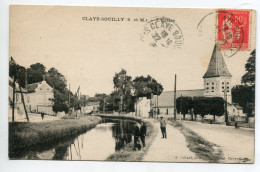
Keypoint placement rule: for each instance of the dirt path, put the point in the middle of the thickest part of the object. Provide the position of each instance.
(237, 144)
(172, 149)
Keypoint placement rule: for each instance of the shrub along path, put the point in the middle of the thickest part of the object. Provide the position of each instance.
(172, 149)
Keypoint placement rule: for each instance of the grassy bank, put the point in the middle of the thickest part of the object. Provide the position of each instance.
(202, 148)
(26, 136)
(127, 153)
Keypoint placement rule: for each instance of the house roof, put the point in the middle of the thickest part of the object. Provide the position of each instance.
(166, 99)
(217, 66)
(32, 87)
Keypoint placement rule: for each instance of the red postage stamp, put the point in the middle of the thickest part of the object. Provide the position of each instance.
(233, 29)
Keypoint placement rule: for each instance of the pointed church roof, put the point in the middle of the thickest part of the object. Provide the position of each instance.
(217, 66)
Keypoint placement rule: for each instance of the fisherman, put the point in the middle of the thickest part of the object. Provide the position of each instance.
(136, 137)
(143, 133)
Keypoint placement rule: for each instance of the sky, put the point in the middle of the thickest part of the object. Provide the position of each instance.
(89, 53)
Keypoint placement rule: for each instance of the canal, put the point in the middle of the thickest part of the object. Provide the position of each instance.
(96, 144)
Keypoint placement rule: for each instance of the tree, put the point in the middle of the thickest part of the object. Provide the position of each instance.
(113, 101)
(123, 86)
(55, 79)
(20, 69)
(208, 105)
(244, 95)
(36, 73)
(216, 106)
(146, 86)
(184, 105)
(249, 77)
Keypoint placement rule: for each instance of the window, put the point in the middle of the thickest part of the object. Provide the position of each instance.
(212, 83)
(207, 83)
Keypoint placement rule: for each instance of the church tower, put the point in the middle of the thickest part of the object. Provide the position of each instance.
(217, 77)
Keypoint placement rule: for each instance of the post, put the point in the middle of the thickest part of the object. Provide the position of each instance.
(25, 110)
(26, 82)
(104, 106)
(175, 98)
(121, 104)
(13, 98)
(69, 95)
(225, 98)
(157, 101)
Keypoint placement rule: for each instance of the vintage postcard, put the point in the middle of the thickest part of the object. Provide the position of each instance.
(132, 84)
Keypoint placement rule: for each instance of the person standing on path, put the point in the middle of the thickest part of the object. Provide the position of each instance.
(143, 133)
(42, 114)
(163, 127)
(136, 137)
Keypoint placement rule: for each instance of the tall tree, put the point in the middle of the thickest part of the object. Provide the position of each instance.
(55, 79)
(36, 73)
(244, 94)
(249, 77)
(123, 85)
(146, 86)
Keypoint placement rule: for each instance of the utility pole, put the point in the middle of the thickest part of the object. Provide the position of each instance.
(26, 82)
(157, 100)
(13, 97)
(175, 110)
(225, 98)
(25, 110)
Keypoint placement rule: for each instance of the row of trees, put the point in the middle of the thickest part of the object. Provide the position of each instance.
(200, 106)
(36, 73)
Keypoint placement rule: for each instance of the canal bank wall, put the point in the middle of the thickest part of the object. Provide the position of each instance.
(25, 136)
(128, 153)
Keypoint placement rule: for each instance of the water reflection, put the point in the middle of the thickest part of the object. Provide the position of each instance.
(97, 144)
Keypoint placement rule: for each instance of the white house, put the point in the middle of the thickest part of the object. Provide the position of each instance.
(143, 107)
(39, 97)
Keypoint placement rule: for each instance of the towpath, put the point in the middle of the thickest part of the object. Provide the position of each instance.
(172, 149)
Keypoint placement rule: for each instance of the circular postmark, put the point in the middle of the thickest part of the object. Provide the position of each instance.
(231, 30)
(162, 31)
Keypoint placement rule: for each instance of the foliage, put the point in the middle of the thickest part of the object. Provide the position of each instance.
(249, 77)
(36, 73)
(244, 95)
(146, 86)
(55, 79)
(184, 104)
(208, 105)
(123, 87)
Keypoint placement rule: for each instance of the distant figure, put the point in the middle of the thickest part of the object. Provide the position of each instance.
(42, 114)
(143, 133)
(77, 113)
(136, 137)
(163, 127)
